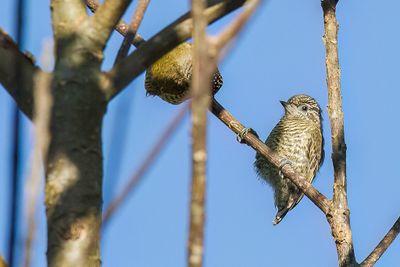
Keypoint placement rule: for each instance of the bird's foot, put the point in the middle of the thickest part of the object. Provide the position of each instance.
(282, 163)
(240, 136)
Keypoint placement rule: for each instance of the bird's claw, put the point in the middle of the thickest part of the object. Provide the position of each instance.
(282, 163)
(240, 136)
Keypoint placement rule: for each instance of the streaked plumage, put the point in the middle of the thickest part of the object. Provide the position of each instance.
(298, 138)
(170, 76)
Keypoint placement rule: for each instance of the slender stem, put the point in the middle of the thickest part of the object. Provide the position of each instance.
(107, 16)
(146, 164)
(233, 29)
(383, 245)
(132, 30)
(121, 27)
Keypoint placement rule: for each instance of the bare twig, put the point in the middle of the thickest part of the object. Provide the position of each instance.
(232, 30)
(148, 161)
(171, 36)
(382, 246)
(121, 27)
(41, 119)
(133, 27)
(201, 79)
(309, 190)
(107, 16)
(339, 217)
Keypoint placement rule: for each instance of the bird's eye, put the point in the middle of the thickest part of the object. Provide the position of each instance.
(304, 108)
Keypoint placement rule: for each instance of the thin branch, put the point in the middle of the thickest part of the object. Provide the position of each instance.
(307, 188)
(203, 69)
(41, 119)
(232, 30)
(15, 177)
(132, 30)
(107, 16)
(171, 36)
(382, 246)
(122, 27)
(146, 164)
(339, 217)
(8, 53)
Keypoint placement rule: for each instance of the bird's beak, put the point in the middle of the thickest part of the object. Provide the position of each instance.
(284, 104)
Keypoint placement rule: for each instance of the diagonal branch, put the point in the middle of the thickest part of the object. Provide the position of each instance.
(9, 53)
(382, 246)
(307, 188)
(171, 36)
(122, 27)
(132, 30)
(107, 16)
(146, 164)
(232, 30)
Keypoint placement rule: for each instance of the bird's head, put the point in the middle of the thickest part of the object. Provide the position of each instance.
(302, 106)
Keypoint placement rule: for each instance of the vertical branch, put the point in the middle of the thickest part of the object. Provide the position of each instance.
(41, 119)
(339, 217)
(15, 174)
(201, 81)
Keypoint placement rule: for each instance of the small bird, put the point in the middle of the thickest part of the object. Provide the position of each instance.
(298, 138)
(171, 75)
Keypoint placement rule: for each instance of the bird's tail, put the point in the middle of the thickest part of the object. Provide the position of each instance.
(294, 200)
(280, 215)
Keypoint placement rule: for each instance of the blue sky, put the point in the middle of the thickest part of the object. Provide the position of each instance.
(278, 55)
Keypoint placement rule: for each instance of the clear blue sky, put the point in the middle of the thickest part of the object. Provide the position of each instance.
(280, 54)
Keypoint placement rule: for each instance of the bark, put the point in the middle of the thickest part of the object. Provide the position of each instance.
(74, 168)
(339, 216)
(201, 90)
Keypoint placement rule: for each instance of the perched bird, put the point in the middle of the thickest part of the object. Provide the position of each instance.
(170, 76)
(298, 138)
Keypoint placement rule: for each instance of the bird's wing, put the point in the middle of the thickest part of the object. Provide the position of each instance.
(315, 154)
